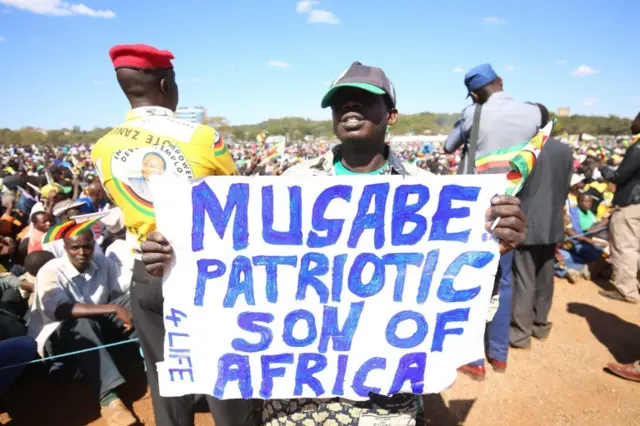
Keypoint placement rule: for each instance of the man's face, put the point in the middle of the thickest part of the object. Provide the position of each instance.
(359, 115)
(152, 165)
(7, 246)
(42, 222)
(585, 202)
(80, 249)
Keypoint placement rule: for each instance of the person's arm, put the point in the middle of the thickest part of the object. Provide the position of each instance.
(459, 133)
(571, 233)
(83, 310)
(76, 188)
(629, 166)
(27, 286)
(7, 221)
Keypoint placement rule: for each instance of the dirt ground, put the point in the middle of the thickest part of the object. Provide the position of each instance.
(558, 382)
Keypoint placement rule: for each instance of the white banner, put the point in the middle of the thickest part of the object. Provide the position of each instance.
(324, 287)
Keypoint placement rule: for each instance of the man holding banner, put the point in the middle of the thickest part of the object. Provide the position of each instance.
(363, 104)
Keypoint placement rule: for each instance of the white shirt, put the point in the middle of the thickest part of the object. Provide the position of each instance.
(120, 253)
(59, 283)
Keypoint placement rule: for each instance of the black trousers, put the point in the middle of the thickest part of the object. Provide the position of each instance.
(532, 293)
(97, 366)
(147, 304)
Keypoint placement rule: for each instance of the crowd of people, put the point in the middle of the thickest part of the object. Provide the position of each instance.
(81, 263)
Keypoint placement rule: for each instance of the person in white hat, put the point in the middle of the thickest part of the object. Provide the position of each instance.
(577, 183)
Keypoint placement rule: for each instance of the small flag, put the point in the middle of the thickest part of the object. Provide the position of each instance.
(261, 139)
(67, 229)
(275, 151)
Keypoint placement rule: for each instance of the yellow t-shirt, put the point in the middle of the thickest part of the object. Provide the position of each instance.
(153, 141)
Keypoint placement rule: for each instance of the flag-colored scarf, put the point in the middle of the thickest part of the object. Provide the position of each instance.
(67, 230)
(517, 161)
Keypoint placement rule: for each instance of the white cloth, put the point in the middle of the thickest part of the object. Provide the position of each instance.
(59, 283)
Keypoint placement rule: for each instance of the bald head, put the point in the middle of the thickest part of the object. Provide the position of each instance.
(95, 190)
(149, 87)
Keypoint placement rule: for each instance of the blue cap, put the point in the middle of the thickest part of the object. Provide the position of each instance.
(479, 76)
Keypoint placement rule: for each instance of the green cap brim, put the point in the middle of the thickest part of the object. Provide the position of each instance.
(326, 101)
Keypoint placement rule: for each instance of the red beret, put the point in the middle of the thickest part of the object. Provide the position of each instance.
(140, 56)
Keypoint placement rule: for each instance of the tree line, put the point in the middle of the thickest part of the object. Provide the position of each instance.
(296, 128)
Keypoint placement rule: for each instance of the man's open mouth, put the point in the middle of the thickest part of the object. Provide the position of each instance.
(352, 121)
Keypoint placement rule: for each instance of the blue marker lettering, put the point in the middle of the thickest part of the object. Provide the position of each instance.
(401, 261)
(208, 269)
(373, 287)
(337, 276)
(475, 259)
(445, 212)
(248, 322)
(403, 214)
(406, 342)
(271, 264)
(341, 338)
(441, 330)
(338, 386)
(333, 227)
(205, 200)
(427, 275)
(411, 367)
(231, 368)
(308, 276)
(269, 373)
(360, 377)
(290, 322)
(292, 237)
(240, 282)
(305, 372)
(377, 193)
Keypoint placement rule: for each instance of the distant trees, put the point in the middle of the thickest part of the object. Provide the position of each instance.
(296, 128)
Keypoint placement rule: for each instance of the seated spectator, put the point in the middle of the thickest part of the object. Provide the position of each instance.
(582, 249)
(8, 253)
(32, 264)
(606, 206)
(41, 222)
(79, 305)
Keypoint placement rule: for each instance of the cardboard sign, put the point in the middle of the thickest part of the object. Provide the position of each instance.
(324, 287)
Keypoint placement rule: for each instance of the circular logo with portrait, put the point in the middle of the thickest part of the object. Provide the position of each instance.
(133, 168)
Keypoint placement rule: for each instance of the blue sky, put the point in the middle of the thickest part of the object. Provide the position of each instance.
(249, 60)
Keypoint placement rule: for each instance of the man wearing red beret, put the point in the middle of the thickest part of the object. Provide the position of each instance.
(153, 141)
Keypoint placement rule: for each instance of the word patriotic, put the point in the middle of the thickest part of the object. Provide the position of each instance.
(324, 287)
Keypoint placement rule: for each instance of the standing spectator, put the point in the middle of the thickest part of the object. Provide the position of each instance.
(148, 80)
(543, 199)
(495, 121)
(624, 224)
